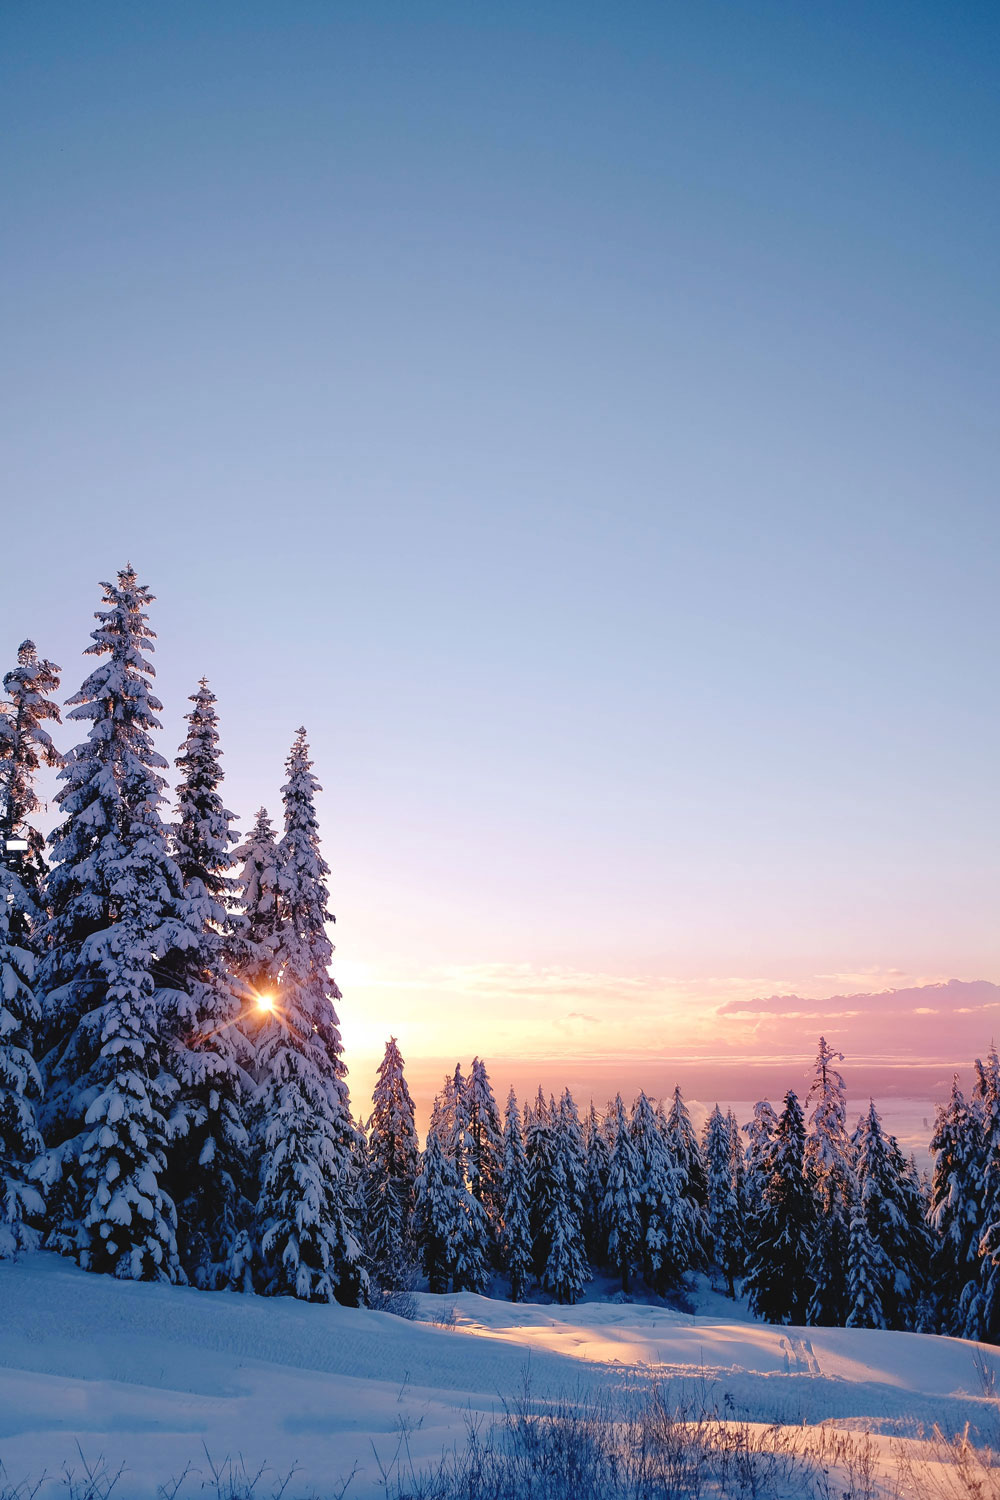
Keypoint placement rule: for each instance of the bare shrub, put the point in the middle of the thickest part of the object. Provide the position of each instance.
(639, 1445)
(635, 1443)
(400, 1302)
(949, 1468)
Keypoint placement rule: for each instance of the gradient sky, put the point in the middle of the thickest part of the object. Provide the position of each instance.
(584, 418)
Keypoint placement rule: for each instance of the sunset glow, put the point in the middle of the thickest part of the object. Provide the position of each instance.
(499, 839)
(652, 698)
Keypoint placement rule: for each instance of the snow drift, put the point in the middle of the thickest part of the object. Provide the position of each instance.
(153, 1377)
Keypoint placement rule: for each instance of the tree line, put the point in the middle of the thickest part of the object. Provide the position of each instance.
(812, 1222)
(174, 1103)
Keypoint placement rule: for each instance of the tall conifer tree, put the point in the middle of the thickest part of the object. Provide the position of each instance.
(25, 745)
(738, 1164)
(686, 1227)
(830, 1170)
(113, 895)
(724, 1219)
(448, 1196)
(685, 1150)
(540, 1147)
(780, 1236)
(254, 955)
(20, 1085)
(954, 1206)
(885, 1196)
(485, 1136)
(566, 1269)
(760, 1132)
(621, 1200)
(210, 1056)
(598, 1162)
(867, 1272)
(979, 1304)
(449, 1118)
(658, 1184)
(309, 1194)
(441, 1222)
(393, 1167)
(515, 1236)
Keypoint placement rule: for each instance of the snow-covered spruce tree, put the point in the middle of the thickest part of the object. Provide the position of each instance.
(867, 1272)
(830, 1170)
(308, 1204)
(442, 1119)
(621, 1200)
(566, 1270)
(780, 1236)
(20, 1085)
(113, 896)
(686, 1226)
(24, 746)
(658, 1185)
(758, 1163)
(515, 1234)
(885, 1195)
(544, 1187)
(916, 1310)
(361, 1163)
(440, 1221)
(760, 1133)
(208, 1167)
(954, 1210)
(724, 1221)
(685, 1150)
(738, 1165)
(393, 1166)
(979, 1305)
(598, 1160)
(485, 1138)
(571, 1150)
(457, 1207)
(253, 946)
(471, 1242)
(448, 1118)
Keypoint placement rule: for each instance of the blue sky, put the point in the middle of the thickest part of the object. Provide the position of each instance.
(583, 418)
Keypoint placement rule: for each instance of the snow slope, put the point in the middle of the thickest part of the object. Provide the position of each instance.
(151, 1376)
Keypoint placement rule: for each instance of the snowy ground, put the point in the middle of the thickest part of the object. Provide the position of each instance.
(151, 1377)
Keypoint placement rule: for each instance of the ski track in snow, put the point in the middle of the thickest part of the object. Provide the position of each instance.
(150, 1375)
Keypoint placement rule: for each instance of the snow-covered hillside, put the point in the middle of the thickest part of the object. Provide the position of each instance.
(152, 1377)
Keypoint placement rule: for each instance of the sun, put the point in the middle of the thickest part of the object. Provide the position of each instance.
(266, 1002)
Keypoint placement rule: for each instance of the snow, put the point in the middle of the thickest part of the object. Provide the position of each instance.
(151, 1376)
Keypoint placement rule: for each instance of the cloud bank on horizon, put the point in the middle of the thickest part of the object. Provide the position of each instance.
(718, 1036)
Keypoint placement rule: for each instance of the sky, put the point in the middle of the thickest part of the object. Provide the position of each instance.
(583, 418)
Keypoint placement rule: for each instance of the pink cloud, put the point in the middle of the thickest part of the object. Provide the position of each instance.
(956, 997)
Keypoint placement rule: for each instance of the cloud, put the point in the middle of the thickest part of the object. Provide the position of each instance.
(543, 980)
(607, 1029)
(954, 997)
(575, 1022)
